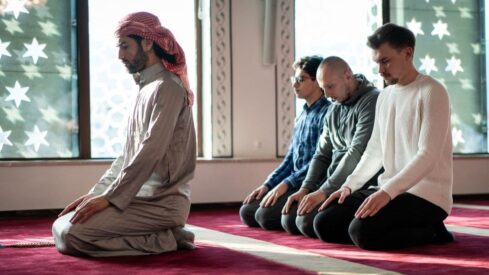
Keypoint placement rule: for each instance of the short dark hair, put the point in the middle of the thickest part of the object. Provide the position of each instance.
(309, 64)
(398, 37)
(170, 58)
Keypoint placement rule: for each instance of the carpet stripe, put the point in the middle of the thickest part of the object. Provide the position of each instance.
(284, 255)
(471, 206)
(469, 230)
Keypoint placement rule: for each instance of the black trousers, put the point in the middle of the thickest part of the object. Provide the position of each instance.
(405, 221)
(267, 218)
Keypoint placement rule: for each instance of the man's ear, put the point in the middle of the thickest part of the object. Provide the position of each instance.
(409, 52)
(146, 44)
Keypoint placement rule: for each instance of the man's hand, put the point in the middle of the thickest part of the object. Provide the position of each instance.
(296, 197)
(339, 195)
(271, 198)
(256, 194)
(310, 201)
(74, 204)
(372, 204)
(88, 208)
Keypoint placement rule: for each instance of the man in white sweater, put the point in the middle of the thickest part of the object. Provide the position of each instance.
(411, 139)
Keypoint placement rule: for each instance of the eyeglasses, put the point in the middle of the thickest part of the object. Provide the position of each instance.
(298, 79)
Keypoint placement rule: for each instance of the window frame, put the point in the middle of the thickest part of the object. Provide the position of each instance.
(84, 135)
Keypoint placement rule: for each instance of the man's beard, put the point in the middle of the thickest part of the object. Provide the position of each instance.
(139, 62)
(390, 80)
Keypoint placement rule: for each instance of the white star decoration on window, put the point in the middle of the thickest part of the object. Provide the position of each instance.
(17, 94)
(440, 29)
(36, 138)
(457, 136)
(476, 48)
(64, 71)
(477, 119)
(12, 26)
(16, 7)
(454, 65)
(415, 26)
(439, 11)
(453, 48)
(428, 64)
(466, 84)
(31, 71)
(50, 114)
(3, 48)
(49, 28)
(35, 50)
(4, 138)
(13, 114)
(465, 13)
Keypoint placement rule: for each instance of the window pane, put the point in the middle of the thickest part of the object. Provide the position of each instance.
(112, 88)
(335, 28)
(449, 48)
(38, 88)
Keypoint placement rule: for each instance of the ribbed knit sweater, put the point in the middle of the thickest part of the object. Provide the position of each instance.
(412, 140)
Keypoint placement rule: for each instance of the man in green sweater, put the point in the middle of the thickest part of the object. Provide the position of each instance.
(347, 128)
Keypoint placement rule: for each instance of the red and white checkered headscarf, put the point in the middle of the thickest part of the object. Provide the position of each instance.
(148, 26)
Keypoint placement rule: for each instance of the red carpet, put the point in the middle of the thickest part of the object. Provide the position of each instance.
(469, 217)
(467, 255)
(207, 259)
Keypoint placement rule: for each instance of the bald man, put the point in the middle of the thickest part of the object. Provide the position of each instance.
(347, 128)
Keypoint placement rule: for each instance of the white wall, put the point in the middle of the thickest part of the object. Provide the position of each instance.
(253, 84)
(48, 185)
(27, 186)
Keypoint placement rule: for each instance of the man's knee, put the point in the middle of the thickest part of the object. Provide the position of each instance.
(268, 218)
(247, 215)
(360, 233)
(66, 242)
(288, 220)
(305, 224)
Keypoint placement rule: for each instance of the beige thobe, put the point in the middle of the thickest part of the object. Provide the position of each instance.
(148, 185)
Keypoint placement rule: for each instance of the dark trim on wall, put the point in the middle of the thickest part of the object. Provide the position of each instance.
(386, 11)
(83, 78)
(198, 98)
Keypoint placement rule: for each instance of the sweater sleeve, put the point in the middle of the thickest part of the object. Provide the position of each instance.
(363, 130)
(371, 161)
(435, 126)
(321, 160)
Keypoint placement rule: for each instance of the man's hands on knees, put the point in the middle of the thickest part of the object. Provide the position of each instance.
(339, 195)
(271, 198)
(256, 194)
(85, 207)
(296, 197)
(310, 201)
(372, 204)
(74, 204)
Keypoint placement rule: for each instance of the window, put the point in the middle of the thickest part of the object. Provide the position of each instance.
(112, 89)
(450, 41)
(38, 80)
(328, 28)
(42, 112)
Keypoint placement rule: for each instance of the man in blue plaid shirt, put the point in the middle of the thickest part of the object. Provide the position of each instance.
(263, 206)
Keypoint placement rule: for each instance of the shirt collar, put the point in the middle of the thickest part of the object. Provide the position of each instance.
(150, 74)
(316, 105)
